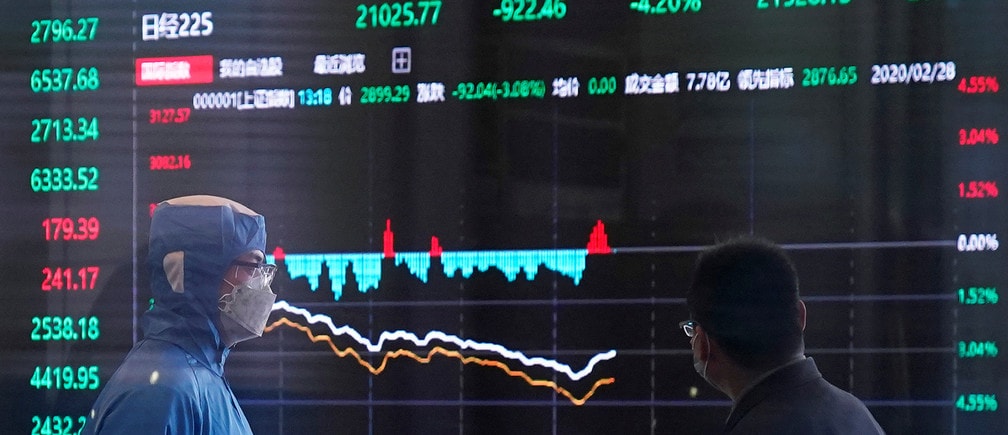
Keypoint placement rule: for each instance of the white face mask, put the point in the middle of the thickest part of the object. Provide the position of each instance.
(701, 367)
(245, 309)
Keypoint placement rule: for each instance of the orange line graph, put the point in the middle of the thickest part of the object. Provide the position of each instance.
(437, 350)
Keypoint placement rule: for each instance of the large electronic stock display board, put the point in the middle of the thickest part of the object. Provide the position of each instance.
(485, 213)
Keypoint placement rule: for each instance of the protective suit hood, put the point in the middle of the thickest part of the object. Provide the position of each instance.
(193, 240)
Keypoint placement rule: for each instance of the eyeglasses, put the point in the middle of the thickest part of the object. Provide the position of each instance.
(689, 327)
(259, 270)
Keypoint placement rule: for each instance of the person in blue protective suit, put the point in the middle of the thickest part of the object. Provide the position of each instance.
(211, 290)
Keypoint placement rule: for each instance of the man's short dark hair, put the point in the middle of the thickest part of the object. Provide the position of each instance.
(745, 296)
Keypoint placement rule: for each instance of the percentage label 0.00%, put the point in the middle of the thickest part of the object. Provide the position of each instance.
(977, 242)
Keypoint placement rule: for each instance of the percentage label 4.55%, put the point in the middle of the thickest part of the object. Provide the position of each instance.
(979, 85)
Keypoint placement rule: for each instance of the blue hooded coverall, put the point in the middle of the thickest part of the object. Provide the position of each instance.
(172, 381)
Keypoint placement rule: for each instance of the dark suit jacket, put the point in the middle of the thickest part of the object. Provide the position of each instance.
(797, 400)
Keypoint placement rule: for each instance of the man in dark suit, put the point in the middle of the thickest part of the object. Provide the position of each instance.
(746, 330)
